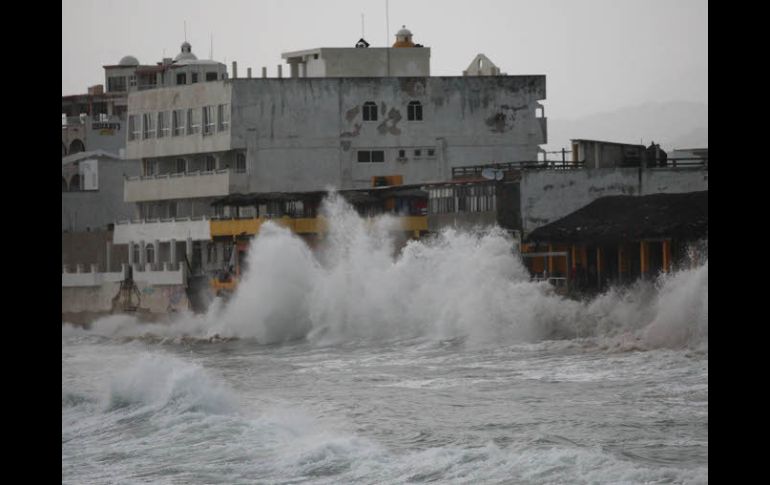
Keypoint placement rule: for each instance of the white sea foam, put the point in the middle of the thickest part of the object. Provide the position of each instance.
(157, 381)
(455, 284)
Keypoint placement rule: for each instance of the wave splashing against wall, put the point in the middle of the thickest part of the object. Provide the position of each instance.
(456, 284)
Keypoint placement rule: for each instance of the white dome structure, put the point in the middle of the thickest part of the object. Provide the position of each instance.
(129, 61)
(186, 54)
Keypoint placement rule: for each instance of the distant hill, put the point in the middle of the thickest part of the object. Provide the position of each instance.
(676, 124)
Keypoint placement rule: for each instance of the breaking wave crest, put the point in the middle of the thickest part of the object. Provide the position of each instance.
(158, 381)
(455, 284)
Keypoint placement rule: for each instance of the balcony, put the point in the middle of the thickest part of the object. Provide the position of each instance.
(214, 183)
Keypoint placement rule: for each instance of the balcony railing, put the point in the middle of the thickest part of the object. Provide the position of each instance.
(183, 185)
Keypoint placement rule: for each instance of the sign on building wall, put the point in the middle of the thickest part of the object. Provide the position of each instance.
(106, 128)
(89, 174)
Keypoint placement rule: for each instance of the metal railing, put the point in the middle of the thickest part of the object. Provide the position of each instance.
(476, 170)
(154, 220)
(686, 162)
(197, 173)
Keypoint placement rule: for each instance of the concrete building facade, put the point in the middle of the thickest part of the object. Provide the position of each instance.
(92, 190)
(307, 133)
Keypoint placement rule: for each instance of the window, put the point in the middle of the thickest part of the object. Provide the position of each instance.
(431, 152)
(148, 125)
(223, 112)
(370, 111)
(181, 165)
(133, 127)
(163, 124)
(402, 154)
(418, 153)
(75, 183)
(240, 163)
(177, 122)
(373, 156)
(208, 120)
(193, 121)
(194, 77)
(181, 78)
(137, 258)
(211, 163)
(211, 76)
(414, 111)
(116, 84)
(132, 80)
(150, 253)
(150, 167)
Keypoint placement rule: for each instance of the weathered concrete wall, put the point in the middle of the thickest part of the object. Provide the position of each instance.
(163, 231)
(183, 186)
(305, 134)
(352, 62)
(549, 195)
(95, 209)
(109, 136)
(167, 99)
(91, 248)
(159, 299)
(376, 62)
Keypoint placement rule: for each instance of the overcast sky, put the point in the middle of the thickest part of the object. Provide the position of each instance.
(598, 55)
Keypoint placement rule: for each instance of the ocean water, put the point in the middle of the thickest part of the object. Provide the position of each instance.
(437, 363)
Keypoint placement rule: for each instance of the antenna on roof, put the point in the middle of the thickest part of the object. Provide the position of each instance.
(387, 24)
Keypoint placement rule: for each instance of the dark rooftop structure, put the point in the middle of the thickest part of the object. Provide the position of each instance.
(631, 218)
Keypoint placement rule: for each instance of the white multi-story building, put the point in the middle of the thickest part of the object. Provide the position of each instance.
(344, 116)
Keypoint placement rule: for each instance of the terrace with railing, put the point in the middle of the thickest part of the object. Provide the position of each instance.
(183, 185)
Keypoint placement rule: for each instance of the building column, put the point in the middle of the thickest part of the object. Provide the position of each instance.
(643, 252)
(599, 267)
(550, 261)
(142, 255)
(172, 254)
(189, 250)
(667, 255)
(156, 254)
(108, 257)
(131, 261)
(204, 254)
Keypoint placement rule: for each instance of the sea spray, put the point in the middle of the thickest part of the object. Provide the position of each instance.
(452, 284)
(157, 381)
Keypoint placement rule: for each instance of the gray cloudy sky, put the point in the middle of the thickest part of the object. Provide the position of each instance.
(598, 55)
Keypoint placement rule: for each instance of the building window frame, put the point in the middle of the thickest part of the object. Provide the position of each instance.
(177, 122)
(414, 111)
(371, 156)
(148, 126)
(223, 117)
(193, 121)
(180, 165)
(210, 163)
(163, 124)
(134, 130)
(240, 162)
(209, 123)
(370, 111)
(150, 167)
